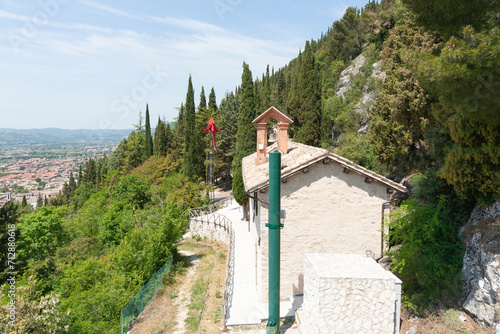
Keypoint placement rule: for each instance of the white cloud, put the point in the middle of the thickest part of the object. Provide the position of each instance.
(99, 64)
(106, 8)
(12, 16)
(188, 24)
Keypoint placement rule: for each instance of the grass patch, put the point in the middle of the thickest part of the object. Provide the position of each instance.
(197, 303)
(200, 284)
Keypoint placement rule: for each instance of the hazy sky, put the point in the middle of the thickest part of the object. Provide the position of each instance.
(94, 64)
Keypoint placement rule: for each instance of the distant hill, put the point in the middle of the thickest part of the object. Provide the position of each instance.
(55, 136)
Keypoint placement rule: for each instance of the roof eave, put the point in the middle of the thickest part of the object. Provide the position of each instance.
(347, 164)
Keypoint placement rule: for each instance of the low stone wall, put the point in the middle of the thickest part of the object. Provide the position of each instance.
(212, 226)
(347, 293)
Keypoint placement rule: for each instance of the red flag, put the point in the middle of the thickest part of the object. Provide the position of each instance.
(212, 129)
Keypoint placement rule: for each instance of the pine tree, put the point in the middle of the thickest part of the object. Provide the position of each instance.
(191, 164)
(246, 135)
(149, 140)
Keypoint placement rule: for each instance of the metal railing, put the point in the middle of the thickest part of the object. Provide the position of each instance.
(206, 215)
(227, 296)
(217, 205)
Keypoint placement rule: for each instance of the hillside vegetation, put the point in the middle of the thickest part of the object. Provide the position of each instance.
(432, 117)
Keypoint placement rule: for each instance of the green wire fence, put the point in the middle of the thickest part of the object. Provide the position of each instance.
(132, 310)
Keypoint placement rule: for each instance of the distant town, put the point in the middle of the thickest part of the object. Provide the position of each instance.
(24, 173)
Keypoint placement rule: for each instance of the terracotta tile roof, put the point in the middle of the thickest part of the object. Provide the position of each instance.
(299, 156)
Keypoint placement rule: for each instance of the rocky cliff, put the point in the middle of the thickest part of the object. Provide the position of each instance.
(481, 265)
(369, 92)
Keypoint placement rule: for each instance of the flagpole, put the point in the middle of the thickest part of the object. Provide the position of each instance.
(212, 176)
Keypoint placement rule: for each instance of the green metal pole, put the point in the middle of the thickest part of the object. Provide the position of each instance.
(273, 323)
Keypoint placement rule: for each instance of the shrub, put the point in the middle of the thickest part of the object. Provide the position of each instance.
(429, 253)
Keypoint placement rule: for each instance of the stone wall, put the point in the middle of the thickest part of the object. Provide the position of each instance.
(481, 265)
(327, 211)
(346, 293)
(212, 226)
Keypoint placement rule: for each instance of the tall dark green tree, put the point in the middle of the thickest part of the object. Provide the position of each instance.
(24, 202)
(246, 135)
(169, 137)
(80, 176)
(305, 100)
(226, 146)
(448, 17)
(191, 160)
(256, 97)
(279, 93)
(90, 171)
(160, 140)
(148, 146)
(39, 201)
(266, 91)
(348, 38)
(71, 183)
(179, 130)
(212, 104)
(202, 118)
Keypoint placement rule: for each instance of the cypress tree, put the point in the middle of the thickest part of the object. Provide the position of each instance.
(65, 193)
(246, 134)
(90, 172)
(304, 104)
(46, 200)
(24, 202)
(80, 176)
(72, 184)
(278, 96)
(212, 104)
(190, 163)
(266, 91)
(149, 139)
(103, 167)
(202, 118)
(256, 95)
(168, 138)
(179, 129)
(159, 143)
(226, 147)
(39, 201)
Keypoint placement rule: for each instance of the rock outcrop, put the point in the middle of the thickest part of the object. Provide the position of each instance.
(347, 75)
(480, 269)
(365, 104)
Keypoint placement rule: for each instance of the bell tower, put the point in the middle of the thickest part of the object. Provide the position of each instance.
(261, 123)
